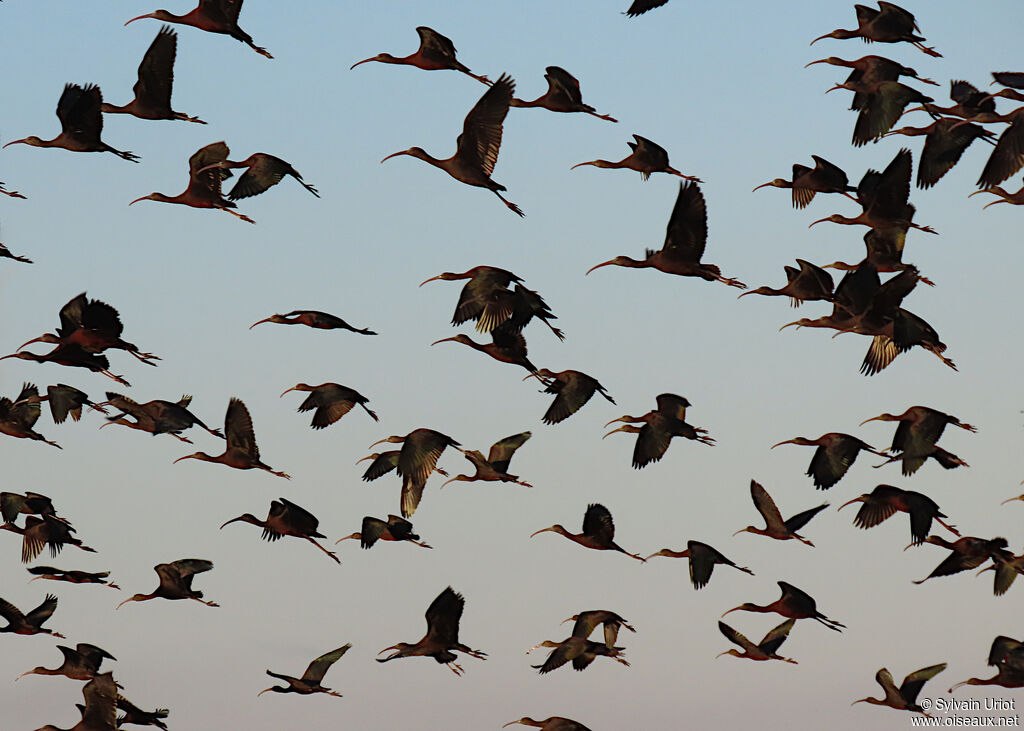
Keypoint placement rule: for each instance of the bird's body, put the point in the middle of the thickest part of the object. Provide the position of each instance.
(39, 533)
(885, 501)
(647, 157)
(685, 241)
(81, 663)
(494, 467)
(767, 649)
(212, 16)
(659, 427)
(287, 519)
(834, 455)
(421, 448)
(775, 526)
(392, 529)
(572, 390)
(868, 71)
(702, 561)
(808, 283)
(553, 723)
(563, 95)
(967, 553)
(31, 623)
(262, 172)
(81, 123)
(330, 402)
(598, 531)
(945, 142)
(920, 427)
(157, 416)
(478, 145)
(241, 451)
(442, 638)
(18, 417)
(505, 347)
(889, 24)
(72, 577)
(903, 698)
(436, 53)
(793, 603)
(315, 319)
(824, 177)
(580, 651)
(156, 79)
(310, 682)
(587, 622)
(176, 581)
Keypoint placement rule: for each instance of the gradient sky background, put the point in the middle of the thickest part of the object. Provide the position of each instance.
(722, 87)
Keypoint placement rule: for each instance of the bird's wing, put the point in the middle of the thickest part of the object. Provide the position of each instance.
(801, 519)
(775, 637)
(563, 84)
(238, 428)
(931, 426)
(11, 505)
(585, 624)
(672, 405)
(913, 683)
(943, 148)
(71, 315)
(597, 523)
(639, 7)
(558, 657)
(651, 444)
(264, 172)
(65, 400)
(878, 506)
(796, 596)
(156, 72)
(93, 654)
(1002, 647)
(298, 517)
(1007, 157)
(401, 528)
(97, 315)
(737, 638)
(100, 703)
(571, 394)
(957, 562)
(371, 530)
(419, 454)
(318, 668)
(43, 612)
(702, 562)
(433, 44)
(892, 694)
(210, 180)
(501, 452)
(687, 232)
(766, 506)
(443, 616)
(10, 612)
(181, 571)
(384, 463)
(328, 409)
(79, 112)
(480, 140)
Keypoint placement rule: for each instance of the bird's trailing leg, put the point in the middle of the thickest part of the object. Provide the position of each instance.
(456, 668)
(332, 554)
(244, 218)
(931, 52)
(262, 51)
(831, 623)
(146, 358)
(185, 118)
(125, 155)
(606, 117)
(11, 193)
(511, 206)
(731, 282)
(119, 379)
(691, 178)
(201, 601)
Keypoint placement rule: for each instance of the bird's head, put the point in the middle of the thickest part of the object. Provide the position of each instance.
(629, 428)
(400, 650)
(556, 528)
(300, 387)
(244, 518)
(831, 60)
(136, 598)
(525, 721)
(1010, 500)
(156, 15)
(777, 183)
(669, 553)
(47, 338)
(158, 197)
(354, 536)
(861, 499)
(202, 456)
(394, 439)
(881, 417)
(460, 338)
(760, 290)
(800, 441)
(734, 653)
(412, 152)
(617, 261)
(444, 276)
(381, 57)
(834, 218)
(838, 34)
(278, 319)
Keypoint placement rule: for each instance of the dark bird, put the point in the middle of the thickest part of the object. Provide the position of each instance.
(587, 622)
(213, 16)
(685, 240)
(793, 603)
(436, 53)
(264, 171)
(81, 123)
(767, 649)
(969, 102)
(647, 157)
(13, 194)
(578, 650)
(505, 346)
(99, 712)
(598, 531)
(241, 452)
(659, 426)
(554, 723)
(1002, 196)
(945, 143)
(882, 105)
(885, 501)
(572, 390)
(809, 282)
(775, 526)
(1007, 157)
(702, 561)
(31, 623)
(824, 177)
(967, 553)
(383, 463)
(1006, 570)
(421, 448)
(442, 637)
(903, 698)
(72, 577)
(310, 680)
(39, 533)
(920, 428)
(1007, 657)
(5, 253)
(135, 715)
(393, 529)
(1012, 79)
(92, 325)
(13, 504)
(889, 24)
(639, 7)
(477, 147)
(18, 417)
(67, 401)
(81, 663)
(870, 70)
(563, 95)
(314, 319)
(75, 356)
(330, 402)
(495, 467)
(287, 519)
(884, 252)
(834, 454)
(156, 417)
(176, 581)
(156, 78)
(203, 189)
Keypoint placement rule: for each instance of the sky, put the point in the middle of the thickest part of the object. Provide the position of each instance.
(722, 87)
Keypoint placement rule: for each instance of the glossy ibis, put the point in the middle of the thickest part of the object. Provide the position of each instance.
(157, 416)
(18, 417)
(1006, 569)
(39, 533)
(72, 355)
(587, 622)
(944, 144)
(1007, 157)
(885, 500)
(263, 171)
(1007, 657)
(834, 454)
(310, 680)
(580, 651)
(824, 177)
(563, 95)
(81, 123)
(793, 603)
(647, 157)
(436, 53)
(553, 723)
(287, 519)
(598, 531)
(572, 390)
(442, 637)
(685, 240)
(659, 426)
(156, 79)
(889, 24)
(13, 504)
(13, 194)
(477, 147)
(31, 623)
(506, 346)
(330, 402)
(767, 649)
(920, 427)
(176, 581)
(809, 282)
(241, 452)
(421, 448)
(99, 712)
(775, 526)
(72, 577)
(702, 561)
(903, 698)
(393, 529)
(870, 70)
(383, 463)
(213, 16)
(81, 663)
(66, 401)
(314, 319)
(967, 553)
(5, 253)
(495, 467)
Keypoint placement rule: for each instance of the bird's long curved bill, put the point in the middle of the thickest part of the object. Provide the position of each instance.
(598, 266)
(33, 340)
(762, 185)
(580, 164)
(873, 418)
(539, 531)
(394, 154)
(442, 340)
(819, 38)
(143, 198)
(788, 441)
(358, 63)
(815, 223)
(290, 389)
(147, 15)
(260, 323)
(432, 279)
(14, 142)
(849, 502)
